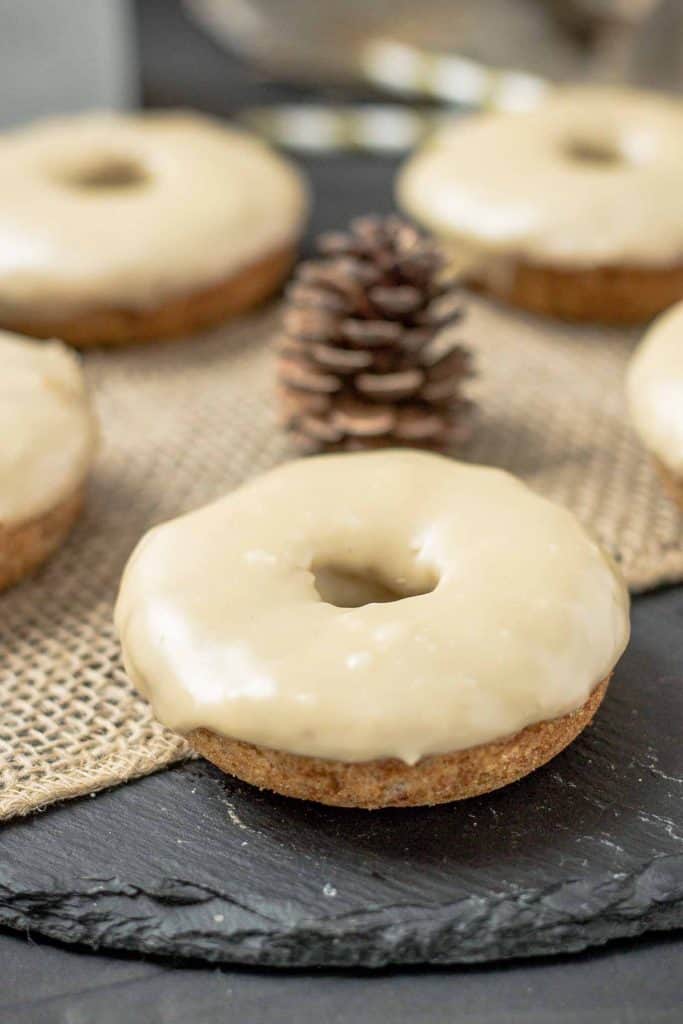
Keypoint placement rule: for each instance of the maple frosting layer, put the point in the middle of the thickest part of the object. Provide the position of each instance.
(589, 178)
(510, 613)
(114, 210)
(655, 389)
(48, 433)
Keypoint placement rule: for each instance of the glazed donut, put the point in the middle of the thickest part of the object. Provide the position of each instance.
(47, 443)
(572, 209)
(655, 396)
(119, 228)
(374, 629)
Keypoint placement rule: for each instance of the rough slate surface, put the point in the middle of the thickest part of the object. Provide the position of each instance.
(191, 863)
(623, 983)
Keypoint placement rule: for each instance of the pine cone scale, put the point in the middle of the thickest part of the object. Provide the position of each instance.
(390, 385)
(308, 296)
(310, 324)
(418, 424)
(297, 404)
(321, 429)
(342, 360)
(370, 333)
(362, 420)
(298, 375)
(401, 300)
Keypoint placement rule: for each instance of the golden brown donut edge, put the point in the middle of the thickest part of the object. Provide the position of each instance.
(25, 546)
(183, 314)
(389, 782)
(609, 295)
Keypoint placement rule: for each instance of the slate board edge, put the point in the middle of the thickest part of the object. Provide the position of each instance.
(565, 918)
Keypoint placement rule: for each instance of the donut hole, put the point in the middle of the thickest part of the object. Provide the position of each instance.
(106, 173)
(346, 588)
(593, 152)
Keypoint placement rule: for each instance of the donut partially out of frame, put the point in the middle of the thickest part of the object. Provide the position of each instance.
(654, 387)
(48, 438)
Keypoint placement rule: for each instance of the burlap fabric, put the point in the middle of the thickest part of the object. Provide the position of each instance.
(185, 422)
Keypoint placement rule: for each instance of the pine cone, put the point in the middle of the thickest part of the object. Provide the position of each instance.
(361, 362)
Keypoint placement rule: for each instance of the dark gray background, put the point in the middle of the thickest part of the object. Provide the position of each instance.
(626, 982)
(623, 984)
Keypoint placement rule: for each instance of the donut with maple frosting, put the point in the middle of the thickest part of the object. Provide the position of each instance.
(571, 209)
(48, 437)
(374, 629)
(121, 227)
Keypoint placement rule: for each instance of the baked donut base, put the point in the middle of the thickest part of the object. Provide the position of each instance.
(673, 485)
(392, 783)
(25, 546)
(181, 315)
(609, 295)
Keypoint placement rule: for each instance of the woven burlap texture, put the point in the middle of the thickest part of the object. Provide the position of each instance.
(184, 422)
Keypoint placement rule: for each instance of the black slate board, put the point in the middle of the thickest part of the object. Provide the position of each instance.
(191, 863)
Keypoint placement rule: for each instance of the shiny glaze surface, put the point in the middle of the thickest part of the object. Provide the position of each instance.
(125, 211)
(589, 178)
(516, 613)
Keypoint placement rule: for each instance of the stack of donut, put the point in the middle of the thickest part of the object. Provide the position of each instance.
(376, 629)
